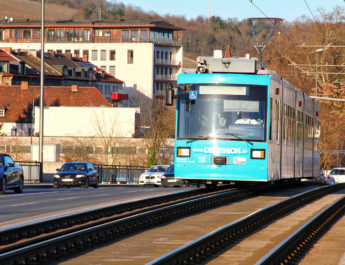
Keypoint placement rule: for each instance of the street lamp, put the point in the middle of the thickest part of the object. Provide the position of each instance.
(316, 64)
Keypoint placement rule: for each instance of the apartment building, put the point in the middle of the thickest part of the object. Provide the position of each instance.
(147, 56)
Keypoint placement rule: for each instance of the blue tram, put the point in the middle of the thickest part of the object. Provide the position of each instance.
(239, 122)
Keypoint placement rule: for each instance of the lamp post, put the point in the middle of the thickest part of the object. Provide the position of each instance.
(316, 64)
(41, 93)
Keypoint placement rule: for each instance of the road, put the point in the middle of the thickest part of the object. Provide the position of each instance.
(39, 203)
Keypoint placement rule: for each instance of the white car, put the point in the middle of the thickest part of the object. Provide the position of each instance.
(153, 176)
(337, 175)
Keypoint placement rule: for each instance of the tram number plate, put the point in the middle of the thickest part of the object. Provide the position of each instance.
(240, 160)
(67, 180)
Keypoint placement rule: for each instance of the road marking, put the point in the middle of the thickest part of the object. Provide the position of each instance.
(22, 204)
(69, 198)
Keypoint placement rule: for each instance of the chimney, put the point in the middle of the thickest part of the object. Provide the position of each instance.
(227, 52)
(85, 57)
(24, 85)
(74, 88)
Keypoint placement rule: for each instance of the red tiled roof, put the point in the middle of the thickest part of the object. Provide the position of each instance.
(4, 56)
(18, 102)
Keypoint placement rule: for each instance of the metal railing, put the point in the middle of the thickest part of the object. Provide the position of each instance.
(119, 174)
(32, 170)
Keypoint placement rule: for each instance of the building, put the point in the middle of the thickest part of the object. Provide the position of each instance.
(60, 70)
(147, 56)
(17, 104)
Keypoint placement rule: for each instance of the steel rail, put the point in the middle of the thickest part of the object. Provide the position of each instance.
(34, 228)
(204, 247)
(294, 247)
(40, 251)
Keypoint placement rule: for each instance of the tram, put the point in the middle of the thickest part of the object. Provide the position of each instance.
(237, 121)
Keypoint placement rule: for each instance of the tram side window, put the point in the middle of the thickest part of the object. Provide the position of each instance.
(308, 132)
(270, 132)
(277, 112)
(317, 135)
(299, 127)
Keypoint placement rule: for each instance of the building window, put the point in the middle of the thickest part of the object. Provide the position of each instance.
(1, 34)
(86, 55)
(60, 35)
(143, 35)
(112, 70)
(98, 32)
(3, 67)
(51, 35)
(135, 36)
(112, 55)
(76, 53)
(59, 51)
(69, 34)
(103, 55)
(152, 35)
(130, 56)
(18, 33)
(104, 68)
(107, 34)
(68, 51)
(36, 34)
(11, 33)
(30, 132)
(87, 35)
(13, 132)
(94, 55)
(125, 35)
(2, 113)
(78, 35)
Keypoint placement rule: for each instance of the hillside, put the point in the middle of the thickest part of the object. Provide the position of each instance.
(25, 9)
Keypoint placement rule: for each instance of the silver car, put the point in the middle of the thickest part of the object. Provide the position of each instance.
(153, 176)
(337, 175)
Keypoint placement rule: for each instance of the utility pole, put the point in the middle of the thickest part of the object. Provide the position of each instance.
(209, 10)
(42, 93)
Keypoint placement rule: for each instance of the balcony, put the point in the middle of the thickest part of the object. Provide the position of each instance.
(165, 77)
(167, 62)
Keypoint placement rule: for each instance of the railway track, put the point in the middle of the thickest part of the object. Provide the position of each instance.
(227, 243)
(51, 239)
(48, 247)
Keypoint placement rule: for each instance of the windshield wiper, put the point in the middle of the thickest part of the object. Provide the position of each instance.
(236, 136)
(200, 138)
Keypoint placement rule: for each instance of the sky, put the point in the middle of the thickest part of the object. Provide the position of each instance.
(288, 10)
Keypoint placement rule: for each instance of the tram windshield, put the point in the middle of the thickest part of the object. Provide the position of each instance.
(224, 112)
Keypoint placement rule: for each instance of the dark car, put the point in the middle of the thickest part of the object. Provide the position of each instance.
(169, 179)
(76, 174)
(11, 175)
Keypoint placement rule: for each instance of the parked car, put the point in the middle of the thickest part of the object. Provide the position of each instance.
(169, 179)
(336, 175)
(153, 176)
(11, 175)
(76, 174)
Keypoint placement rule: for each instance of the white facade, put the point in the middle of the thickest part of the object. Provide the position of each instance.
(87, 121)
(152, 67)
(16, 129)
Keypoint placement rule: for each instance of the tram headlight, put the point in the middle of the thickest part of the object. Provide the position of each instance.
(183, 151)
(257, 154)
